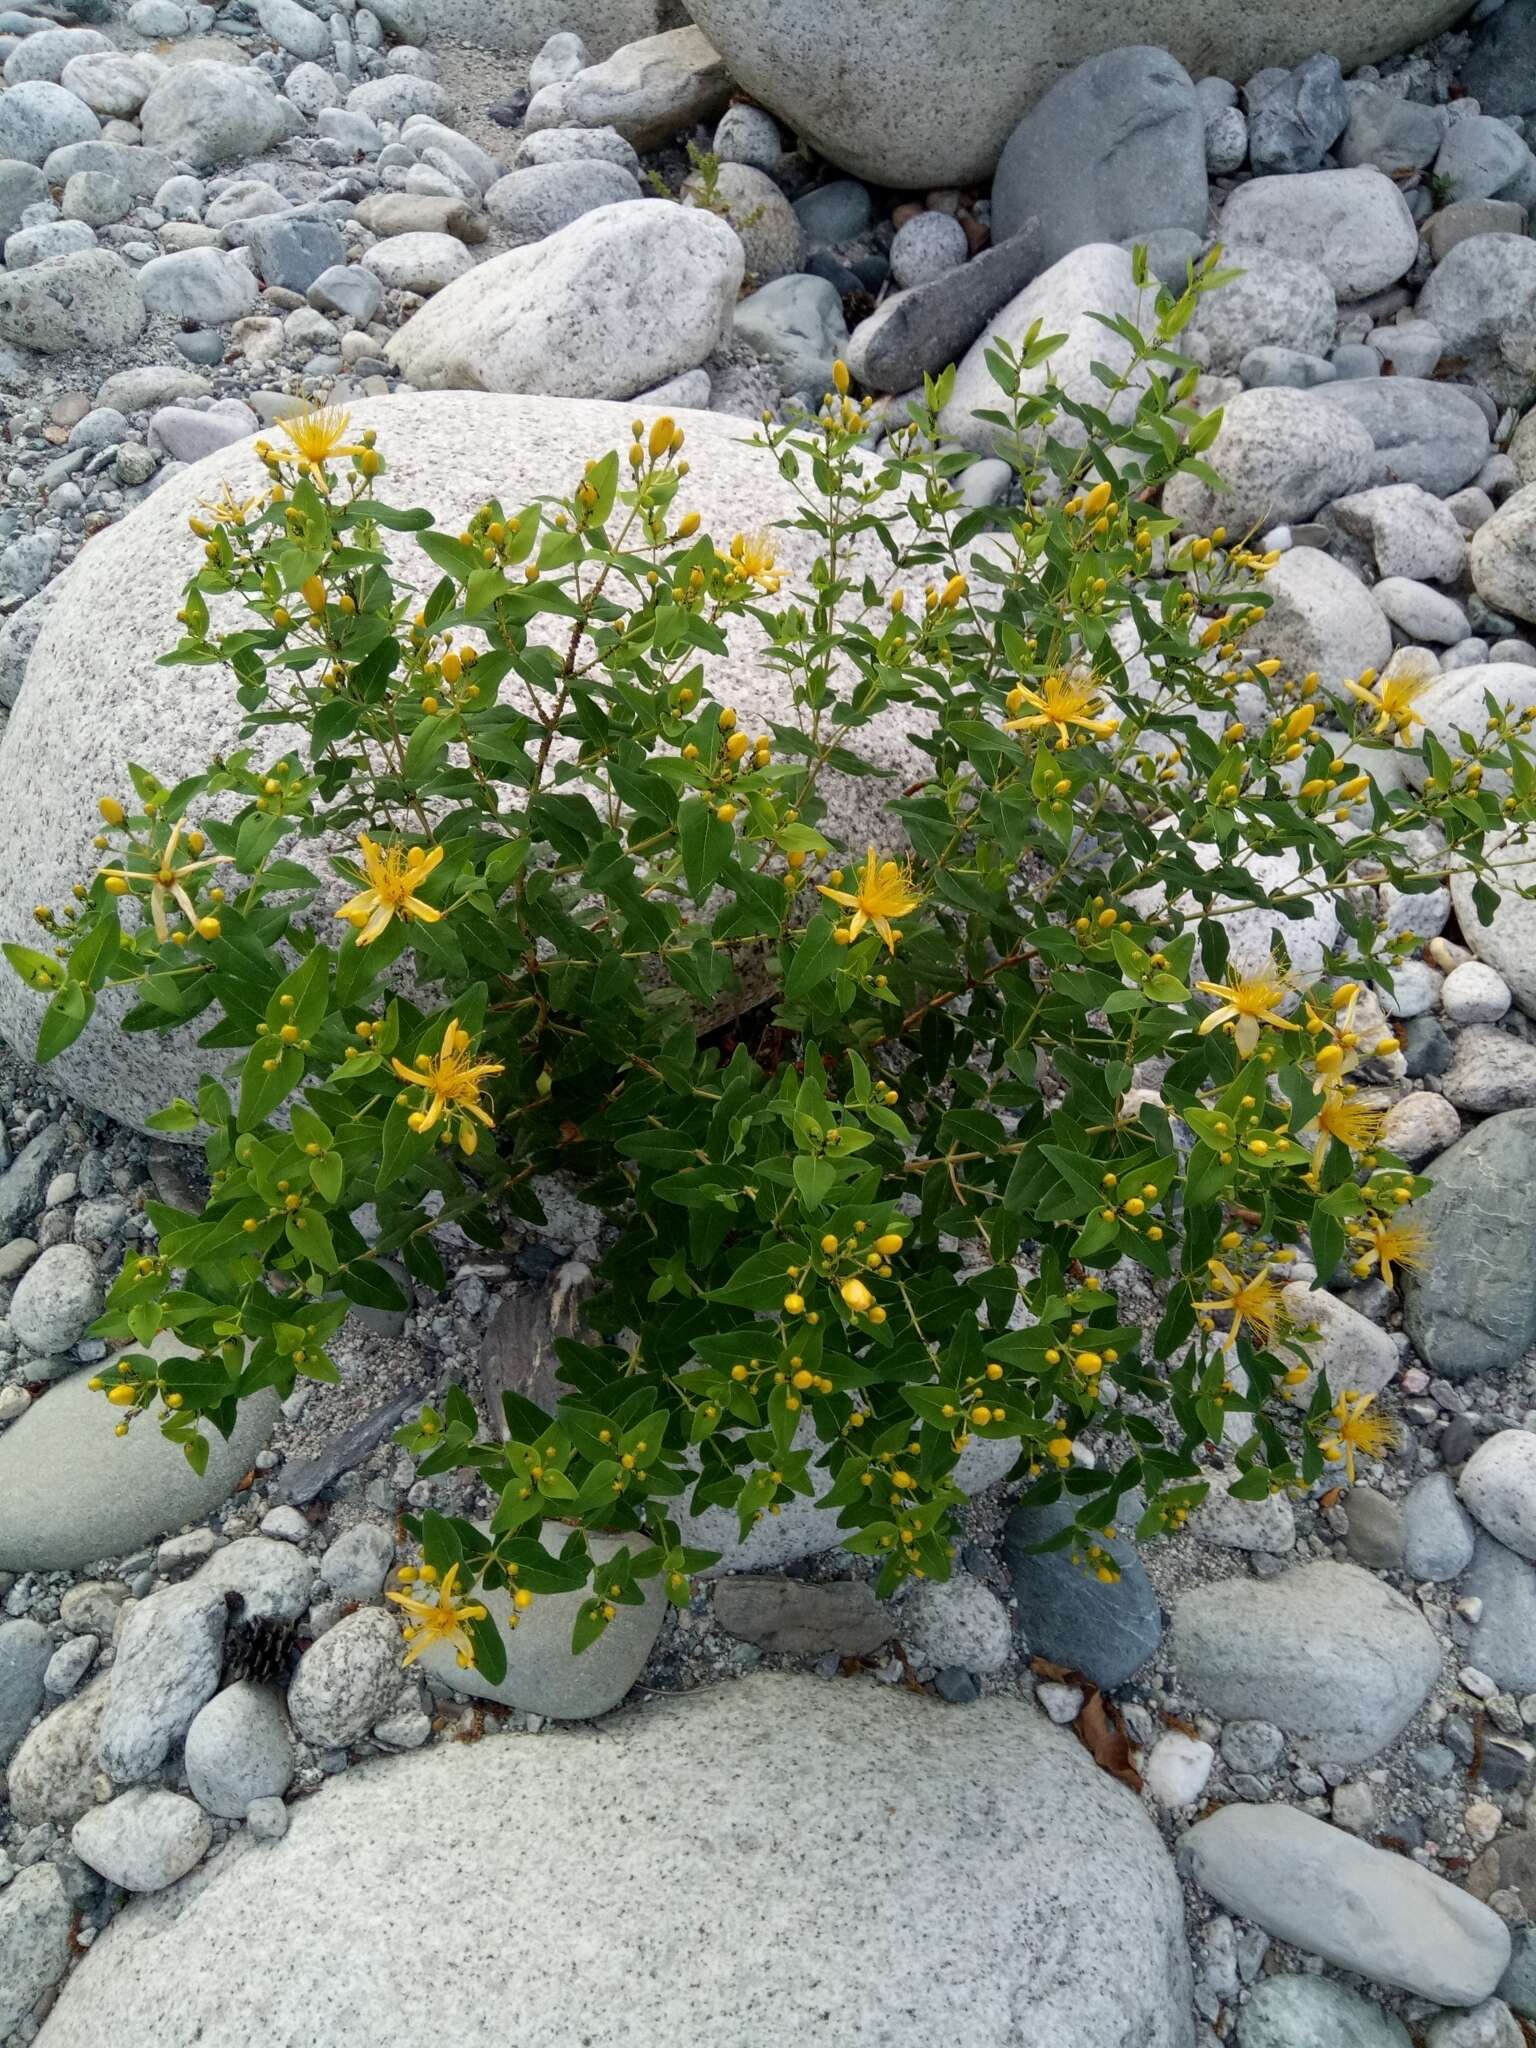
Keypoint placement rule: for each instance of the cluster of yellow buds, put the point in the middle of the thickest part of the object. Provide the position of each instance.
(843, 1263)
(128, 1391)
(1131, 1210)
(839, 413)
(447, 672)
(739, 755)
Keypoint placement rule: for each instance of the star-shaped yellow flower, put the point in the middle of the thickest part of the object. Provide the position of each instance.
(1062, 703)
(441, 1621)
(1392, 701)
(451, 1080)
(395, 874)
(885, 891)
(318, 434)
(1357, 1430)
(1247, 1002)
(1252, 1299)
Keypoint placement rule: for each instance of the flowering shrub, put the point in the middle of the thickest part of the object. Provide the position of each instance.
(988, 1132)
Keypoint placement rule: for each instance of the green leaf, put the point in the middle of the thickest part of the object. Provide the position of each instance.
(814, 959)
(180, 1116)
(64, 1020)
(705, 844)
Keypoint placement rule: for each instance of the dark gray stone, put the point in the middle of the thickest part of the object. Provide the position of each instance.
(1114, 149)
(835, 213)
(23, 1182)
(1375, 1529)
(1068, 1614)
(1473, 1308)
(1517, 1986)
(293, 252)
(21, 185)
(1426, 1048)
(1500, 71)
(1296, 124)
(1314, 2012)
(956, 1686)
(24, 1653)
(1437, 1530)
(349, 288)
(920, 332)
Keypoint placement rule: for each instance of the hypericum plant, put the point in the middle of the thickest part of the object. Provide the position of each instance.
(980, 1090)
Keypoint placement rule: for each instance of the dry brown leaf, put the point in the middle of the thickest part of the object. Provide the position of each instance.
(1100, 1728)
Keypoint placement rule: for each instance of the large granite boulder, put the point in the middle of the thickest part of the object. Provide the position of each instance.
(925, 92)
(680, 1877)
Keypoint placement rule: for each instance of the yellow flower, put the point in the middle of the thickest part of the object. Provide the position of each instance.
(1358, 1430)
(1254, 1300)
(1346, 1122)
(452, 1085)
(228, 509)
(167, 881)
(318, 434)
(1389, 1242)
(440, 1621)
(1392, 700)
(395, 873)
(1248, 1002)
(753, 558)
(1063, 702)
(885, 890)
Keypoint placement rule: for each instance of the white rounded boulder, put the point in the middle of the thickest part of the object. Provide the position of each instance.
(95, 699)
(679, 1877)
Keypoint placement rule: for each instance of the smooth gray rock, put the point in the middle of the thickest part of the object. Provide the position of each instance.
(1354, 225)
(1361, 1908)
(1438, 1534)
(1411, 532)
(24, 1652)
(58, 1295)
(85, 302)
(1504, 556)
(209, 286)
(772, 237)
(114, 84)
(349, 289)
(275, 1582)
(614, 303)
(1112, 151)
(543, 1676)
(208, 113)
(1479, 157)
(143, 1840)
(21, 185)
(71, 1490)
(954, 1624)
(293, 253)
(1321, 616)
(1375, 1537)
(1315, 2012)
(35, 1922)
(1330, 1654)
(577, 145)
(55, 1775)
(39, 117)
(1498, 1489)
(796, 325)
(168, 1660)
(1504, 1641)
(1030, 1835)
(1067, 299)
(45, 53)
(839, 212)
(1066, 1613)
(95, 199)
(1422, 433)
(239, 1750)
(1500, 70)
(1490, 2025)
(532, 203)
(648, 90)
(424, 264)
(1284, 366)
(358, 1563)
(1473, 1307)
(294, 28)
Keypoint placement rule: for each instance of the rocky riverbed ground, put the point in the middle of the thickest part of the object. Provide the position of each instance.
(1275, 1785)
